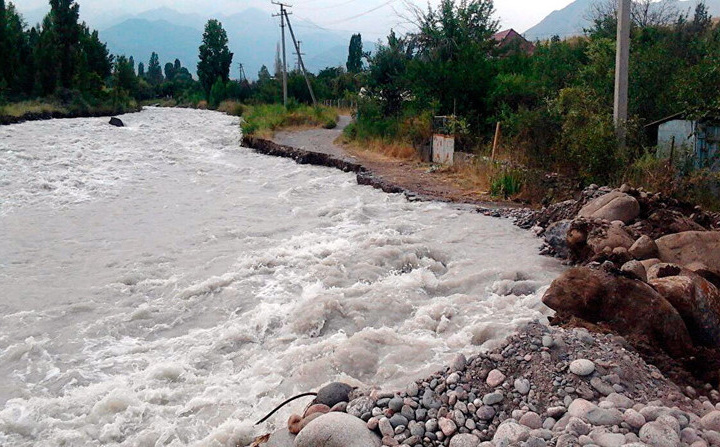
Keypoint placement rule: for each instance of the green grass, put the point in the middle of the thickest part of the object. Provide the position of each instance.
(20, 109)
(263, 120)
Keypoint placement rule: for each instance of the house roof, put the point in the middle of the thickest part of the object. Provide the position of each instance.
(502, 35)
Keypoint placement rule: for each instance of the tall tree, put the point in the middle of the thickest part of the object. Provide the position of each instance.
(4, 69)
(154, 71)
(141, 70)
(355, 54)
(170, 71)
(215, 56)
(66, 33)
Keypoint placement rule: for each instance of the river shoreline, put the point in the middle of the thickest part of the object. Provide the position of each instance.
(527, 422)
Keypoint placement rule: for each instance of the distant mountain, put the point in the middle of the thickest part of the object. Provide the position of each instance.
(253, 37)
(140, 37)
(574, 18)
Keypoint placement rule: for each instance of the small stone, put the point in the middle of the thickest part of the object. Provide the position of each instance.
(412, 390)
(659, 435)
(453, 378)
(582, 367)
(389, 441)
(620, 401)
(522, 386)
(577, 427)
(601, 416)
(485, 413)
(531, 420)
(493, 398)
(395, 403)
(634, 419)
(447, 426)
(601, 387)
(609, 439)
(547, 341)
(385, 428)
(464, 440)
(361, 405)
(711, 421)
(555, 412)
(398, 420)
(495, 378)
(511, 432)
(459, 363)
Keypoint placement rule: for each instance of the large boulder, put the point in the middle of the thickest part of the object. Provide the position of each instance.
(690, 247)
(337, 430)
(612, 206)
(630, 307)
(117, 122)
(644, 248)
(556, 237)
(697, 301)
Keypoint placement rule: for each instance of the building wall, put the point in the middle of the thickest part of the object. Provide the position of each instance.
(684, 136)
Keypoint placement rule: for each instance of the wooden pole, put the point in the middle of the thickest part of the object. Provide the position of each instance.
(622, 62)
(496, 141)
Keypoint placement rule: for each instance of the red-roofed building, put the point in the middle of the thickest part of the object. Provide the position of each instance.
(511, 40)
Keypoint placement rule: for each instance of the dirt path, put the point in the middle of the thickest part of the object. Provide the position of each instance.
(409, 175)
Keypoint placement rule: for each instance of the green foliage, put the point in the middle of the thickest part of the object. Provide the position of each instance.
(154, 71)
(217, 93)
(506, 184)
(215, 56)
(355, 54)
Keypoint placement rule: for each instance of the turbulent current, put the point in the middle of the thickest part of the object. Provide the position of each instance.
(160, 285)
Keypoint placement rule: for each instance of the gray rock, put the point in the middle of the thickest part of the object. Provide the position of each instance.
(511, 432)
(333, 394)
(386, 429)
(577, 427)
(622, 402)
(398, 419)
(459, 363)
(464, 440)
(485, 413)
(711, 421)
(556, 237)
(531, 420)
(430, 400)
(601, 416)
(582, 367)
(412, 390)
(580, 408)
(644, 248)
(522, 386)
(337, 430)
(117, 122)
(609, 439)
(659, 435)
(567, 440)
(611, 207)
(603, 388)
(634, 419)
(395, 403)
(493, 398)
(361, 405)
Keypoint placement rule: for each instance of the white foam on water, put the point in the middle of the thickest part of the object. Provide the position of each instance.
(170, 288)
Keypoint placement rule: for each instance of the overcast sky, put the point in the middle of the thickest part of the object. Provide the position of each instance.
(372, 17)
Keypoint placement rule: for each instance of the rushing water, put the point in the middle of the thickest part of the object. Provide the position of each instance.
(163, 286)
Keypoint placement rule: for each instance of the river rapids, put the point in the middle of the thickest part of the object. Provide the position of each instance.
(163, 286)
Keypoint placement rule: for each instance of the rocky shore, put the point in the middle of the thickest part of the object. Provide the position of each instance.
(546, 386)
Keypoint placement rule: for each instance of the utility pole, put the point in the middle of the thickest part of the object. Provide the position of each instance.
(622, 63)
(283, 15)
(302, 64)
(243, 78)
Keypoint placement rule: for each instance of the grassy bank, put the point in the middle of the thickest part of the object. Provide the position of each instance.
(46, 109)
(264, 120)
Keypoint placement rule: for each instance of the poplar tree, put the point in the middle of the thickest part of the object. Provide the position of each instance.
(215, 56)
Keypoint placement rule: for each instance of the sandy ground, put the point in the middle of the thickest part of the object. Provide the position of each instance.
(411, 175)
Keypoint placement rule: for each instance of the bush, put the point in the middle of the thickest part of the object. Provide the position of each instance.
(507, 184)
(263, 120)
(230, 107)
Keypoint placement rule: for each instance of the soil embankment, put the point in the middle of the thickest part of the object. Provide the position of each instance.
(412, 178)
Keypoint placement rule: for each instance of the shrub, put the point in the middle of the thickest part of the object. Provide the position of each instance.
(507, 184)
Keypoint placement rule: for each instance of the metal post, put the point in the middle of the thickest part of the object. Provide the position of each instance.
(282, 15)
(300, 59)
(622, 63)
